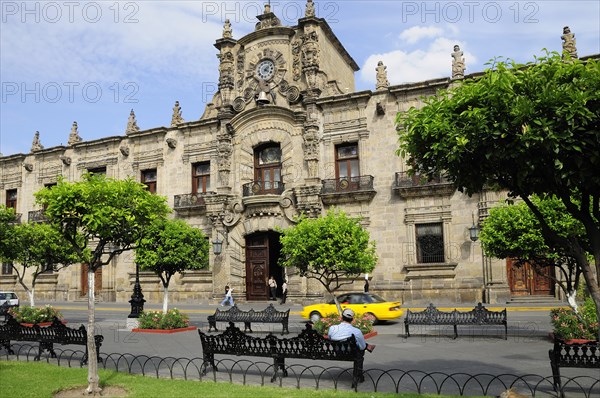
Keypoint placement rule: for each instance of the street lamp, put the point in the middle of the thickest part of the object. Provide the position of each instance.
(137, 298)
(474, 230)
(218, 244)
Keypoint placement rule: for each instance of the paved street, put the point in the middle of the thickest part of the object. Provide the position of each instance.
(429, 349)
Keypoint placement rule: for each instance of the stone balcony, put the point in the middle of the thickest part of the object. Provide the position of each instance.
(348, 190)
(191, 202)
(411, 186)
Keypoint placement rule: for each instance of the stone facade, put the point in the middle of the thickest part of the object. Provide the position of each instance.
(272, 144)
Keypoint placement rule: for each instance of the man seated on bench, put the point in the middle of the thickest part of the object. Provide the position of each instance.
(345, 330)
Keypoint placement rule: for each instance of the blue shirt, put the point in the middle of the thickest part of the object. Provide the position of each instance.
(345, 330)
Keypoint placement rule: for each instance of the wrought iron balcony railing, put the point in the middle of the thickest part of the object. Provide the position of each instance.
(348, 184)
(37, 216)
(418, 185)
(190, 201)
(263, 188)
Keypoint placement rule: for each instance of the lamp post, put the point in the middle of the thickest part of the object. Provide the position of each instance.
(218, 243)
(137, 298)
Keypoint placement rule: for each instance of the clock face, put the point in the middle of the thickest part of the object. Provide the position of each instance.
(265, 69)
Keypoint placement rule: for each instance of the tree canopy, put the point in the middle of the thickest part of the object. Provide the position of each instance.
(334, 249)
(528, 129)
(169, 247)
(513, 231)
(40, 247)
(100, 217)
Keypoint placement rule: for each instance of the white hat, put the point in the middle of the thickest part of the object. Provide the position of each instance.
(348, 313)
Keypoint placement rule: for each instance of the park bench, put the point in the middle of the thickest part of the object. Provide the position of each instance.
(479, 316)
(307, 345)
(4, 307)
(56, 333)
(234, 314)
(572, 355)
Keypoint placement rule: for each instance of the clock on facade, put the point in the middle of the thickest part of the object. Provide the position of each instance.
(265, 69)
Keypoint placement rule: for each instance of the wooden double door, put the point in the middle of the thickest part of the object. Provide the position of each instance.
(262, 254)
(524, 280)
(84, 280)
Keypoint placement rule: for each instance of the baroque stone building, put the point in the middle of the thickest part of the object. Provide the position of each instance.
(285, 134)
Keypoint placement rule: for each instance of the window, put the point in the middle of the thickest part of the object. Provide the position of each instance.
(7, 269)
(201, 177)
(346, 161)
(149, 180)
(430, 243)
(11, 198)
(267, 168)
(97, 170)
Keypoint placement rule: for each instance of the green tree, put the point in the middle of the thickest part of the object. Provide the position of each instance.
(529, 129)
(171, 246)
(95, 215)
(7, 223)
(41, 248)
(334, 249)
(513, 231)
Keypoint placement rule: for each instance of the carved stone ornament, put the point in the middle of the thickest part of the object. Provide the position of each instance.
(65, 160)
(267, 19)
(36, 145)
(132, 126)
(124, 150)
(310, 9)
(458, 63)
(380, 108)
(227, 33)
(226, 70)
(74, 137)
(569, 45)
(28, 167)
(239, 104)
(172, 143)
(176, 118)
(382, 80)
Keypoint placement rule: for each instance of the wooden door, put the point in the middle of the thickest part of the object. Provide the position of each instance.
(525, 281)
(84, 280)
(257, 267)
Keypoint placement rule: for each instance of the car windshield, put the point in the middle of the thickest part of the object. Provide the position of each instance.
(374, 298)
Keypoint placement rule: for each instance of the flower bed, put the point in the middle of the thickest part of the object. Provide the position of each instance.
(156, 320)
(568, 326)
(35, 315)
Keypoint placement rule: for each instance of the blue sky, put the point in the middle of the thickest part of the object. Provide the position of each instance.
(93, 61)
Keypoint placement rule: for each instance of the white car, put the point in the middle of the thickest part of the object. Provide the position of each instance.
(7, 301)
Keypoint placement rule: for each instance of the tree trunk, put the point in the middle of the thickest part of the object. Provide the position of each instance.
(32, 296)
(93, 378)
(165, 299)
(592, 285)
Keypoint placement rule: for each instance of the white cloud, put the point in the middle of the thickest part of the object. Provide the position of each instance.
(430, 59)
(416, 33)
(411, 66)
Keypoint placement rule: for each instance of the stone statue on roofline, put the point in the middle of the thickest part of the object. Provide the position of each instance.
(36, 145)
(569, 46)
(310, 9)
(227, 32)
(176, 118)
(74, 137)
(458, 63)
(132, 126)
(382, 81)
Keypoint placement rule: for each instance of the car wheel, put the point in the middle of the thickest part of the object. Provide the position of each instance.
(374, 317)
(315, 316)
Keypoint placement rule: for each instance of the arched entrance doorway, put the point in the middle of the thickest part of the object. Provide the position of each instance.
(262, 254)
(523, 280)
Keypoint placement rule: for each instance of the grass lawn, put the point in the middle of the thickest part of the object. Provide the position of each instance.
(38, 379)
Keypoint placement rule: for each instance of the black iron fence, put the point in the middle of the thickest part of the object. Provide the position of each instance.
(263, 188)
(348, 184)
(250, 372)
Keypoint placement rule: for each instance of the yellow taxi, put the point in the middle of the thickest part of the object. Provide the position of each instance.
(360, 303)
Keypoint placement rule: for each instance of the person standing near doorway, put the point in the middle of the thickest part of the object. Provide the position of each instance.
(284, 290)
(272, 288)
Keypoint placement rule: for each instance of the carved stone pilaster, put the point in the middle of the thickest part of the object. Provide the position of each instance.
(308, 200)
(226, 77)
(224, 151)
(297, 59)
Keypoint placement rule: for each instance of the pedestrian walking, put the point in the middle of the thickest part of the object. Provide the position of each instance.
(228, 297)
(284, 289)
(272, 288)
